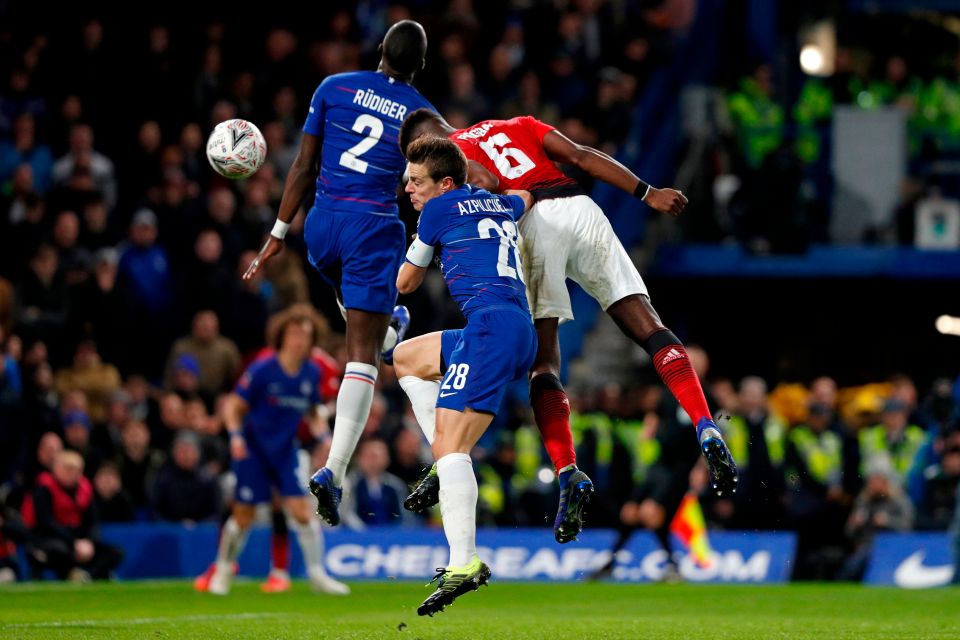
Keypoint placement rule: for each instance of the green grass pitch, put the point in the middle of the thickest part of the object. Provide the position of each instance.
(170, 609)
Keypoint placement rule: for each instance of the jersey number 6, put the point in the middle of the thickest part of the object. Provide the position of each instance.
(501, 157)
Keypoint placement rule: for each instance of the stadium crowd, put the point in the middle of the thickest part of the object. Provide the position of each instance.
(123, 321)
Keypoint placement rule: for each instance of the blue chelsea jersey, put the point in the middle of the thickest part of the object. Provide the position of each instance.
(358, 116)
(277, 402)
(479, 257)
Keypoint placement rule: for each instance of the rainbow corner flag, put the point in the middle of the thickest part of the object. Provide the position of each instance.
(690, 528)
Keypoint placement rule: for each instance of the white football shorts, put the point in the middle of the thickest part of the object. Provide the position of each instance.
(572, 238)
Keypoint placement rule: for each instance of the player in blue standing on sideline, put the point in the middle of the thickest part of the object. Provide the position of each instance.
(353, 232)
(262, 416)
(476, 232)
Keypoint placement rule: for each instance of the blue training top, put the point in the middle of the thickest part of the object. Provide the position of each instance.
(277, 403)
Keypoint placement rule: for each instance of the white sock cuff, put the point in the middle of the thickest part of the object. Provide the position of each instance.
(453, 459)
(405, 381)
(360, 371)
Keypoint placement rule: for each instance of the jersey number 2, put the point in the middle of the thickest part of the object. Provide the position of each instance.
(488, 228)
(351, 157)
(501, 156)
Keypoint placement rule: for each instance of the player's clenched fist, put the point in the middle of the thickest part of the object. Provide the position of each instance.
(669, 201)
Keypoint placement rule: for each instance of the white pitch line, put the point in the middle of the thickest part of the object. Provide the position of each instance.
(110, 622)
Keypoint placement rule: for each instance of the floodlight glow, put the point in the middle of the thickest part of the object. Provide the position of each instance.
(811, 60)
(545, 475)
(948, 325)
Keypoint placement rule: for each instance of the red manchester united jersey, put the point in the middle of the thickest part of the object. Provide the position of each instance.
(512, 150)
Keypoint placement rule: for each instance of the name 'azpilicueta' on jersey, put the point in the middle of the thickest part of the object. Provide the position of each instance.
(486, 205)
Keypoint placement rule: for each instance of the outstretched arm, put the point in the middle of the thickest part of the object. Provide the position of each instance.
(300, 179)
(602, 167)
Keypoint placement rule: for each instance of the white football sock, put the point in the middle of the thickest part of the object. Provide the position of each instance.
(310, 539)
(353, 409)
(458, 506)
(232, 540)
(423, 399)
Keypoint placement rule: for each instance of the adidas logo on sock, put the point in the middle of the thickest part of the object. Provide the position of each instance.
(672, 355)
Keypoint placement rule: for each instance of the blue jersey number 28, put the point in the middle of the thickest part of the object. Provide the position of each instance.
(488, 228)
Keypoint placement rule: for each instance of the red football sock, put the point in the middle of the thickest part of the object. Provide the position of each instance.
(280, 543)
(673, 365)
(551, 409)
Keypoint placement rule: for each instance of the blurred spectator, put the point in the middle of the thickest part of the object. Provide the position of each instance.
(528, 101)
(282, 153)
(464, 96)
(43, 300)
(24, 149)
(73, 260)
(113, 503)
(48, 447)
(12, 439)
(881, 506)
(757, 440)
(218, 357)
(137, 463)
(41, 403)
(83, 154)
(65, 525)
(206, 279)
(408, 462)
(26, 231)
(90, 374)
(12, 533)
(246, 314)
(144, 280)
(234, 233)
(183, 492)
(816, 501)
(105, 435)
(934, 482)
(893, 439)
(96, 232)
(371, 495)
(99, 309)
(76, 437)
(185, 377)
(192, 145)
(757, 118)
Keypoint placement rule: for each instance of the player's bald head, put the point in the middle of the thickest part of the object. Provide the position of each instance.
(404, 48)
(422, 122)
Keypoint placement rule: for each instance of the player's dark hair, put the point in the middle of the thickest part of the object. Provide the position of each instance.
(301, 312)
(405, 47)
(415, 124)
(440, 156)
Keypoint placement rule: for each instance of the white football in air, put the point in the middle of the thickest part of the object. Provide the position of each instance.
(236, 149)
